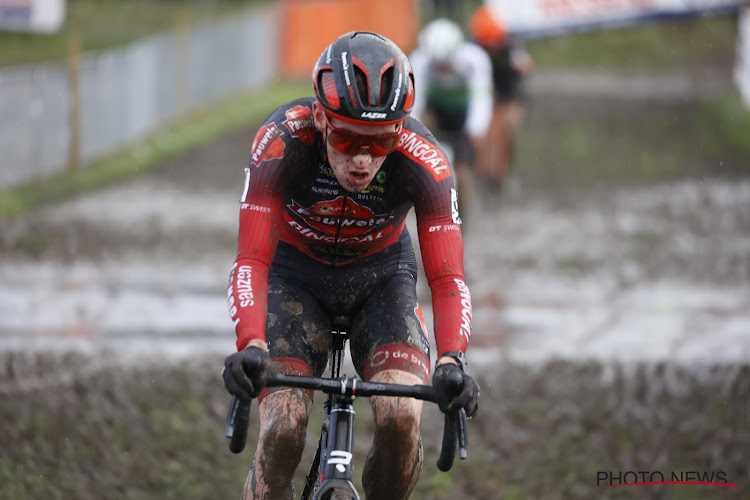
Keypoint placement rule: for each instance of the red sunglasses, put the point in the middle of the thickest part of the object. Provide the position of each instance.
(352, 144)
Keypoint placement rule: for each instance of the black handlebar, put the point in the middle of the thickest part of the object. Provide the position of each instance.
(448, 448)
(454, 436)
(238, 420)
(454, 430)
(351, 386)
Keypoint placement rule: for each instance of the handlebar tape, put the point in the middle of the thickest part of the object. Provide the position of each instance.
(450, 442)
(240, 423)
(455, 436)
(230, 417)
(463, 434)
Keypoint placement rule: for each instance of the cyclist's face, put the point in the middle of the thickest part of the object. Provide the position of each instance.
(354, 172)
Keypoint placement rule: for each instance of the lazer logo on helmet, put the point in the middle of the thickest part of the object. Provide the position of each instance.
(372, 114)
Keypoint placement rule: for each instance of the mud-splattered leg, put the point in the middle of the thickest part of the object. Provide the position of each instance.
(395, 460)
(283, 422)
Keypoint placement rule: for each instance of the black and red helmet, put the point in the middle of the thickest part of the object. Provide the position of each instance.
(365, 78)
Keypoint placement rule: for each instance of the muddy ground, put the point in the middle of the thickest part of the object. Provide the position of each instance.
(611, 287)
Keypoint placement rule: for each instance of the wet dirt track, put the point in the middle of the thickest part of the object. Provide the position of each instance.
(656, 271)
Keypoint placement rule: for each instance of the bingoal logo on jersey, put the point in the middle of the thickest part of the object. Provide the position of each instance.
(425, 153)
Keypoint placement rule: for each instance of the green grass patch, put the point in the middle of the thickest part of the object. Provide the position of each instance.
(634, 144)
(655, 46)
(107, 23)
(542, 432)
(202, 127)
(725, 124)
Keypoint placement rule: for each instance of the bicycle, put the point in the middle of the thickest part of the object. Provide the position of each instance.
(333, 479)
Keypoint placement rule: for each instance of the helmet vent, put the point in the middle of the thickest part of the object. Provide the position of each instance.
(361, 81)
(327, 83)
(386, 84)
(360, 77)
(409, 102)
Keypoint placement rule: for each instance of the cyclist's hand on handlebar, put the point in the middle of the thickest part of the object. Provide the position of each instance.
(245, 372)
(454, 390)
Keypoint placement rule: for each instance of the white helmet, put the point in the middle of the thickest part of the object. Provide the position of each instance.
(440, 39)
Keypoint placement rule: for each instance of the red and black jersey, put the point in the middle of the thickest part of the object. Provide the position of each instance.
(292, 195)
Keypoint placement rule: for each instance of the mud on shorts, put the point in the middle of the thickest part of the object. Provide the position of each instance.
(378, 295)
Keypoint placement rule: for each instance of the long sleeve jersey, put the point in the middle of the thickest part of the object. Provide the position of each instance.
(292, 195)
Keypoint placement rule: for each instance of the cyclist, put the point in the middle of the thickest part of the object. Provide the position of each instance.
(322, 233)
(453, 95)
(511, 64)
(433, 9)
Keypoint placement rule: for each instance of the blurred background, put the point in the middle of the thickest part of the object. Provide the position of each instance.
(610, 275)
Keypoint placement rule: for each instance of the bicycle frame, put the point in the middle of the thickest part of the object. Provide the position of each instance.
(337, 431)
(336, 443)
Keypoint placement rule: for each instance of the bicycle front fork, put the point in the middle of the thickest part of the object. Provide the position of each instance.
(337, 469)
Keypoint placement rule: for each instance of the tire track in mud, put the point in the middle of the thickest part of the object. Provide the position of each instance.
(116, 294)
(658, 272)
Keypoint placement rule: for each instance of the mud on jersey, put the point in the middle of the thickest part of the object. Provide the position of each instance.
(291, 194)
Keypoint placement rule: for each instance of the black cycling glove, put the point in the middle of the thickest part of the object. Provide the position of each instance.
(454, 390)
(245, 372)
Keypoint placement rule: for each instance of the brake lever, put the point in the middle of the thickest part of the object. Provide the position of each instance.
(463, 434)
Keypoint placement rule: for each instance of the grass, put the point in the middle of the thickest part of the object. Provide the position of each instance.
(107, 23)
(635, 145)
(204, 126)
(589, 142)
(542, 432)
(582, 141)
(656, 46)
(726, 125)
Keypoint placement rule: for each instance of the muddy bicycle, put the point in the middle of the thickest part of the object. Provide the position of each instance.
(330, 475)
